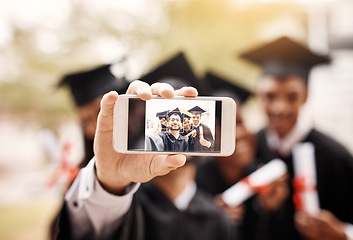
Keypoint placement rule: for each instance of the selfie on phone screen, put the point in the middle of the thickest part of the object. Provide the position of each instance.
(177, 125)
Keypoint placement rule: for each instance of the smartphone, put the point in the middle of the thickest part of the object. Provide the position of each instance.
(201, 126)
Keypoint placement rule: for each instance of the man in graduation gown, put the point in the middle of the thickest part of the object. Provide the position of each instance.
(87, 88)
(203, 140)
(171, 140)
(217, 174)
(107, 201)
(283, 90)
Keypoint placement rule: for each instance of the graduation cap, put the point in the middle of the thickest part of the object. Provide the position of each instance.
(185, 116)
(162, 115)
(175, 71)
(196, 110)
(284, 57)
(86, 86)
(219, 86)
(175, 111)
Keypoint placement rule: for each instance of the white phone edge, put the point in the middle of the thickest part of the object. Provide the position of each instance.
(228, 130)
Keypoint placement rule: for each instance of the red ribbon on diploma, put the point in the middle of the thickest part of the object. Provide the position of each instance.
(300, 184)
(64, 168)
(262, 189)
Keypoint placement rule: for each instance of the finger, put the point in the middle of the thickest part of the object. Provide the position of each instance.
(106, 113)
(107, 103)
(141, 89)
(163, 164)
(162, 89)
(299, 218)
(187, 92)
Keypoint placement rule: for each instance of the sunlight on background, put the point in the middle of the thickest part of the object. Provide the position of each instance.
(42, 40)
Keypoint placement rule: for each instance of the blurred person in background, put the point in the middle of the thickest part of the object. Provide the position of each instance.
(87, 88)
(283, 90)
(216, 174)
(175, 71)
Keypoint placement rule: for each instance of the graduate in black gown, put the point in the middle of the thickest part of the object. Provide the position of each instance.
(171, 140)
(283, 90)
(87, 88)
(163, 118)
(202, 138)
(217, 174)
(187, 125)
(187, 130)
(106, 203)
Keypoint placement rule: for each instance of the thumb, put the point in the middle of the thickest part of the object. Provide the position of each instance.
(106, 113)
(163, 164)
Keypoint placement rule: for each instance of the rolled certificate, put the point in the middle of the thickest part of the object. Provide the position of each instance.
(187, 135)
(305, 193)
(248, 186)
(201, 132)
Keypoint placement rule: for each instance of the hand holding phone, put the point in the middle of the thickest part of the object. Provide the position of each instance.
(114, 170)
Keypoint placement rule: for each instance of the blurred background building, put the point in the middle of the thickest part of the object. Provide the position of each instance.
(40, 41)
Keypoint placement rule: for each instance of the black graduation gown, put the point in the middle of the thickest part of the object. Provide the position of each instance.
(165, 141)
(152, 216)
(184, 132)
(207, 134)
(164, 128)
(173, 144)
(334, 167)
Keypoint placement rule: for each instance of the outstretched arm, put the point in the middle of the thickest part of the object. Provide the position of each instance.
(115, 171)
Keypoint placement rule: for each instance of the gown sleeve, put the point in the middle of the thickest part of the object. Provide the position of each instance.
(91, 211)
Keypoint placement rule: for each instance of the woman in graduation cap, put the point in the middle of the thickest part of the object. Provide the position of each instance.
(283, 90)
(187, 125)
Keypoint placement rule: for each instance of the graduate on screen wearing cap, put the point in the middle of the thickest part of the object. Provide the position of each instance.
(202, 138)
(283, 90)
(187, 125)
(163, 121)
(170, 140)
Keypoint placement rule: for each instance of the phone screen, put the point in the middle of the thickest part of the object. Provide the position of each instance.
(174, 125)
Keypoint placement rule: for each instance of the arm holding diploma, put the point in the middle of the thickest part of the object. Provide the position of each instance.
(311, 221)
(257, 181)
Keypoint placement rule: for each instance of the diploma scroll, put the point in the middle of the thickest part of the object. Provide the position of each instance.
(305, 193)
(201, 132)
(187, 135)
(248, 186)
